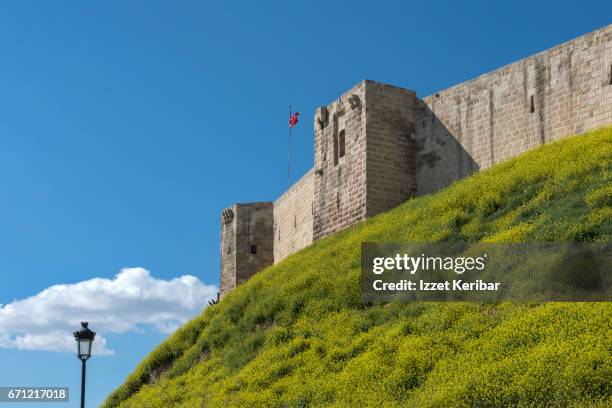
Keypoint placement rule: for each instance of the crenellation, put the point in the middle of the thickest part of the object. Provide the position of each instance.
(378, 145)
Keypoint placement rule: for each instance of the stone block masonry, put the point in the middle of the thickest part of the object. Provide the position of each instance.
(246, 242)
(378, 145)
(340, 161)
(293, 216)
(390, 147)
(563, 91)
(364, 155)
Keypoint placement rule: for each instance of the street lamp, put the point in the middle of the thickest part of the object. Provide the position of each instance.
(84, 339)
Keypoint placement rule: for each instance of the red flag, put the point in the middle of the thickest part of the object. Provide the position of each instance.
(293, 120)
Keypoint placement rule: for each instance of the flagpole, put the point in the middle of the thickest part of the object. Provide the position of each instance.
(289, 161)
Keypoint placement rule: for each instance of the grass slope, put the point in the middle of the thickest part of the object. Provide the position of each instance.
(296, 335)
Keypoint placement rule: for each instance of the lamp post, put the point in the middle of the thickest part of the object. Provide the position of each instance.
(84, 338)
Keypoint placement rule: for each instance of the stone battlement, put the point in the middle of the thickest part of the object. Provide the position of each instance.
(378, 145)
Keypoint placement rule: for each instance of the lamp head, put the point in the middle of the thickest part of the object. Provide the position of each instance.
(84, 338)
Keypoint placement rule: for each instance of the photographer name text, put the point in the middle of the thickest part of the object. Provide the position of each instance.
(455, 285)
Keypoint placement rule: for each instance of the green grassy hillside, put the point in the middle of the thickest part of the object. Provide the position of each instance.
(296, 334)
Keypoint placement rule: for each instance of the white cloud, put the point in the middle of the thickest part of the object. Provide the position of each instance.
(131, 301)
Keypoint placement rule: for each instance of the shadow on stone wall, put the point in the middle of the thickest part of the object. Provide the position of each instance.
(441, 155)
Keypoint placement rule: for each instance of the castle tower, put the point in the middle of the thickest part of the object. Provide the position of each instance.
(246, 242)
(365, 164)
(365, 155)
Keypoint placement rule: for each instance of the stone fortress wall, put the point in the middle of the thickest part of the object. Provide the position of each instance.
(293, 217)
(379, 145)
(474, 125)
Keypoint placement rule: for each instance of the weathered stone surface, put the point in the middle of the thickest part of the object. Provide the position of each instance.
(339, 185)
(246, 243)
(293, 215)
(390, 147)
(378, 145)
(377, 171)
(562, 91)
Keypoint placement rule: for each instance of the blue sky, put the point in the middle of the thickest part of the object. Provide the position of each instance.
(126, 127)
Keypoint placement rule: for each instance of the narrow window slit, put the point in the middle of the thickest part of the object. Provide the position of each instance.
(253, 249)
(339, 139)
(335, 150)
(532, 108)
